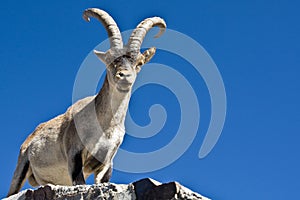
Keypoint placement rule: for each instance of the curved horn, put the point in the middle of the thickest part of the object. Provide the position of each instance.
(108, 22)
(139, 33)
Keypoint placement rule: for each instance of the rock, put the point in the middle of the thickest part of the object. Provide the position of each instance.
(145, 189)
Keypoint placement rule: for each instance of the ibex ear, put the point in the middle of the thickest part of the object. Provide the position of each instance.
(101, 55)
(145, 57)
(148, 54)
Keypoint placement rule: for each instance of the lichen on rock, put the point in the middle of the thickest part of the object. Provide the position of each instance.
(145, 189)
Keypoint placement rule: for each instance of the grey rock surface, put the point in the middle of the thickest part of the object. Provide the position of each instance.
(145, 189)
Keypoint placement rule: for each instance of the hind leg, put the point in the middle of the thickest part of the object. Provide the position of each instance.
(75, 169)
(32, 181)
(20, 174)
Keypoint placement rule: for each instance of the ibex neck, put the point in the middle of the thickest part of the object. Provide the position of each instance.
(111, 106)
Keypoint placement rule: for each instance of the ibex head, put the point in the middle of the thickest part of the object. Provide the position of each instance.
(123, 62)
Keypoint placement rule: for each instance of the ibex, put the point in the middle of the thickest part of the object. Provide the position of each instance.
(56, 152)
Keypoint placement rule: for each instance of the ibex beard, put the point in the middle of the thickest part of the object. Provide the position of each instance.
(56, 152)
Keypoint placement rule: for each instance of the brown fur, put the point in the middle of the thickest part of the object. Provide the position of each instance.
(68, 148)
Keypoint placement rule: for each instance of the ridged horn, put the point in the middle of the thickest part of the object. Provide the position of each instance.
(139, 33)
(108, 22)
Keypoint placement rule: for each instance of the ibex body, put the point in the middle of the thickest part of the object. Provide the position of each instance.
(70, 147)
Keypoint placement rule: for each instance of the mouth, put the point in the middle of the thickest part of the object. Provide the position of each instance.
(123, 90)
(124, 86)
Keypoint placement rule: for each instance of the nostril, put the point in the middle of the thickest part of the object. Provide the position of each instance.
(120, 75)
(123, 74)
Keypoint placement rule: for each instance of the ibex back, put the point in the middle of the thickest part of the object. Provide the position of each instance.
(55, 152)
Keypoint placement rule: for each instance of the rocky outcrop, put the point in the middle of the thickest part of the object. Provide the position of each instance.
(145, 189)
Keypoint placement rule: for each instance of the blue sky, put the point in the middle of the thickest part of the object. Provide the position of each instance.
(255, 45)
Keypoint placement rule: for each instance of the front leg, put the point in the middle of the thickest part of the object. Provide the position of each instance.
(103, 175)
(75, 169)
